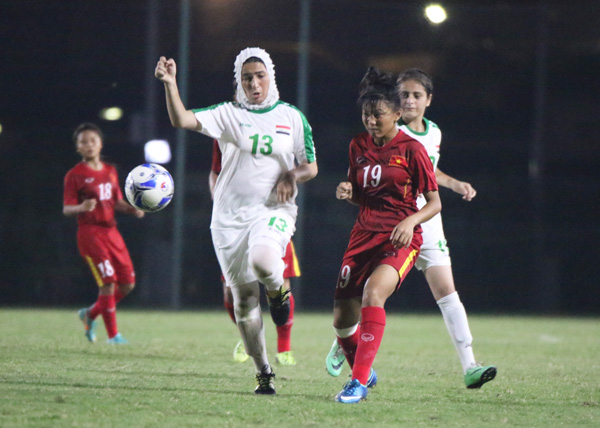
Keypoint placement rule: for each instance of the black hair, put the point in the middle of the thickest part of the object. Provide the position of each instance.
(419, 76)
(87, 126)
(254, 59)
(378, 86)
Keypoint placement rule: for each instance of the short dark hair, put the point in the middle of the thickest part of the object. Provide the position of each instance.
(419, 76)
(87, 126)
(378, 86)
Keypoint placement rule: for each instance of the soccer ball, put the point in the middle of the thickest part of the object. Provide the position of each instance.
(149, 187)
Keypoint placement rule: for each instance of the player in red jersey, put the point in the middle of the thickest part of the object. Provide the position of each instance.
(292, 270)
(92, 193)
(388, 170)
(416, 91)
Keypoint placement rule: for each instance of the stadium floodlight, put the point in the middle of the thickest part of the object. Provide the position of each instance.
(111, 113)
(435, 13)
(157, 151)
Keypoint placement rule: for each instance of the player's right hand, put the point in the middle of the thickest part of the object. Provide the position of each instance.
(89, 205)
(344, 190)
(165, 70)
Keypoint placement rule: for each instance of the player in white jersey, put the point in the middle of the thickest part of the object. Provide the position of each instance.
(267, 148)
(416, 91)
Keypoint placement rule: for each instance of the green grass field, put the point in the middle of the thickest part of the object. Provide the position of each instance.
(177, 371)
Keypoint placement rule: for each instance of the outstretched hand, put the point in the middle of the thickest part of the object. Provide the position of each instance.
(166, 69)
(465, 189)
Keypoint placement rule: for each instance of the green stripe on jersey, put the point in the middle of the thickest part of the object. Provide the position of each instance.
(309, 144)
(428, 125)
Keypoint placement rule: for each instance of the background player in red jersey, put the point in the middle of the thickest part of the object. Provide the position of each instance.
(388, 170)
(292, 270)
(93, 194)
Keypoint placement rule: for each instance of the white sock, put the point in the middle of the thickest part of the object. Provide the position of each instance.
(246, 301)
(456, 321)
(345, 332)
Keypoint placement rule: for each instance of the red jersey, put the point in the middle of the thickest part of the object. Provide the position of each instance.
(82, 182)
(387, 180)
(216, 158)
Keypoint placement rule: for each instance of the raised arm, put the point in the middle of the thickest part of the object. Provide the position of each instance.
(165, 71)
(461, 187)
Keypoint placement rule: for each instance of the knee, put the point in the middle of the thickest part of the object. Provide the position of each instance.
(107, 290)
(246, 310)
(373, 297)
(266, 263)
(261, 270)
(125, 289)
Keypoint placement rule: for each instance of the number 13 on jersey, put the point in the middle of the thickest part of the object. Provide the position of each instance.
(263, 144)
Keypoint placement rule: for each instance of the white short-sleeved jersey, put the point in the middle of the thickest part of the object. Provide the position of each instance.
(257, 147)
(433, 231)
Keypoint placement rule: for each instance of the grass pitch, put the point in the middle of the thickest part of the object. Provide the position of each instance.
(178, 371)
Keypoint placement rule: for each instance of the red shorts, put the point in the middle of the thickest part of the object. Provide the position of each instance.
(107, 256)
(367, 250)
(292, 267)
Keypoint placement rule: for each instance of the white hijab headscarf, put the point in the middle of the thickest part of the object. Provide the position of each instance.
(272, 95)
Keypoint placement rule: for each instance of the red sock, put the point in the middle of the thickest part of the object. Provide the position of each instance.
(284, 332)
(109, 314)
(349, 345)
(95, 309)
(372, 327)
(230, 311)
(118, 295)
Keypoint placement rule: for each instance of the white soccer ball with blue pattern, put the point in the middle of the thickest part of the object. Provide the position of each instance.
(149, 187)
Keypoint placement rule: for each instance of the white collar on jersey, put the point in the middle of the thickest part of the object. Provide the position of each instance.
(241, 98)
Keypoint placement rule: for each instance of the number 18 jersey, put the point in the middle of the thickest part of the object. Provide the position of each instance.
(82, 182)
(388, 179)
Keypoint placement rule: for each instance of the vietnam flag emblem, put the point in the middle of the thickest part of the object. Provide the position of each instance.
(397, 160)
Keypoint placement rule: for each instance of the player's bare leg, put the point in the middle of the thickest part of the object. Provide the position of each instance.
(122, 291)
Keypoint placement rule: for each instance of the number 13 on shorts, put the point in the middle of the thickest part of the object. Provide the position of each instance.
(278, 223)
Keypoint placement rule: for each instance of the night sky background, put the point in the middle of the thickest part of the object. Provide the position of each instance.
(516, 89)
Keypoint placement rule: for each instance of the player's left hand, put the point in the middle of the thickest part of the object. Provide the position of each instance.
(286, 187)
(465, 189)
(139, 213)
(402, 235)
